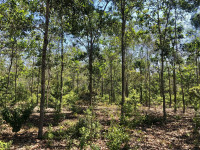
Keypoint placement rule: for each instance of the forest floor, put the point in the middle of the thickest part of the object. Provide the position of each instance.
(176, 133)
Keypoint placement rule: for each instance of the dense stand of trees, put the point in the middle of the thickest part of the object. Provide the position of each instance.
(108, 50)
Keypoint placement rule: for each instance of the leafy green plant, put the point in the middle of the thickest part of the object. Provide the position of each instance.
(76, 109)
(86, 129)
(117, 138)
(49, 135)
(195, 95)
(95, 147)
(57, 116)
(16, 117)
(132, 103)
(196, 122)
(147, 119)
(70, 98)
(5, 145)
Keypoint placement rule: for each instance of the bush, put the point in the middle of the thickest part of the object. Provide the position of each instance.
(76, 109)
(70, 98)
(146, 120)
(4, 145)
(16, 117)
(131, 105)
(86, 129)
(196, 122)
(57, 117)
(117, 138)
(49, 135)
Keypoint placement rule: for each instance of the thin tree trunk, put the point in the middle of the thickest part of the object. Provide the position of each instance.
(174, 87)
(141, 86)
(123, 58)
(90, 67)
(127, 91)
(182, 89)
(61, 74)
(111, 82)
(77, 81)
(174, 68)
(170, 94)
(48, 87)
(38, 84)
(102, 86)
(40, 131)
(16, 67)
(149, 75)
(197, 73)
(32, 82)
(162, 67)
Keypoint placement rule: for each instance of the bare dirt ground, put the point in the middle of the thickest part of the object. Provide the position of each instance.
(176, 133)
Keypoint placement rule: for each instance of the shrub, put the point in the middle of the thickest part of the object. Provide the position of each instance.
(132, 102)
(76, 109)
(70, 98)
(57, 117)
(147, 119)
(196, 122)
(49, 135)
(117, 138)
(16, 117)
(86, 129)
(5, 145)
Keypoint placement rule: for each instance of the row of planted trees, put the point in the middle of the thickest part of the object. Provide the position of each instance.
(100, 50)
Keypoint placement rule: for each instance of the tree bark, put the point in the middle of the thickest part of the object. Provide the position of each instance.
(182, 89)
(174, 68)
(90, 68)
(48, 87)
(149, 75)
(123, 58)
(111, 82)
(16, 67)
(162, 65)
(77, 81)
(38, 84)
(102, 86)
(170, 94)
(32, 81)
(40, 131)
(61, 73)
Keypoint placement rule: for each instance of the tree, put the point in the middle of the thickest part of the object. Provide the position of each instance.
(43, 68)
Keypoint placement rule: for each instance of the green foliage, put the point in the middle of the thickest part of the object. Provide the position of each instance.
(22, 93)
(148, 119)
(95, 147)
(5, 145)
(132, 102)
(76, 109)
(16, 117)
(87, 129)
(195, 95)
(57, 116)
(105, 98)
(70, 98)
(196, 121)
(49, 135)
(117, 138)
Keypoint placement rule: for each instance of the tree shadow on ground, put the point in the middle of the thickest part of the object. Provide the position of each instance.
(51, 118)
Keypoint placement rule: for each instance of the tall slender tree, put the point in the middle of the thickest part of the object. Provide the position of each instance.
(43, 68)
